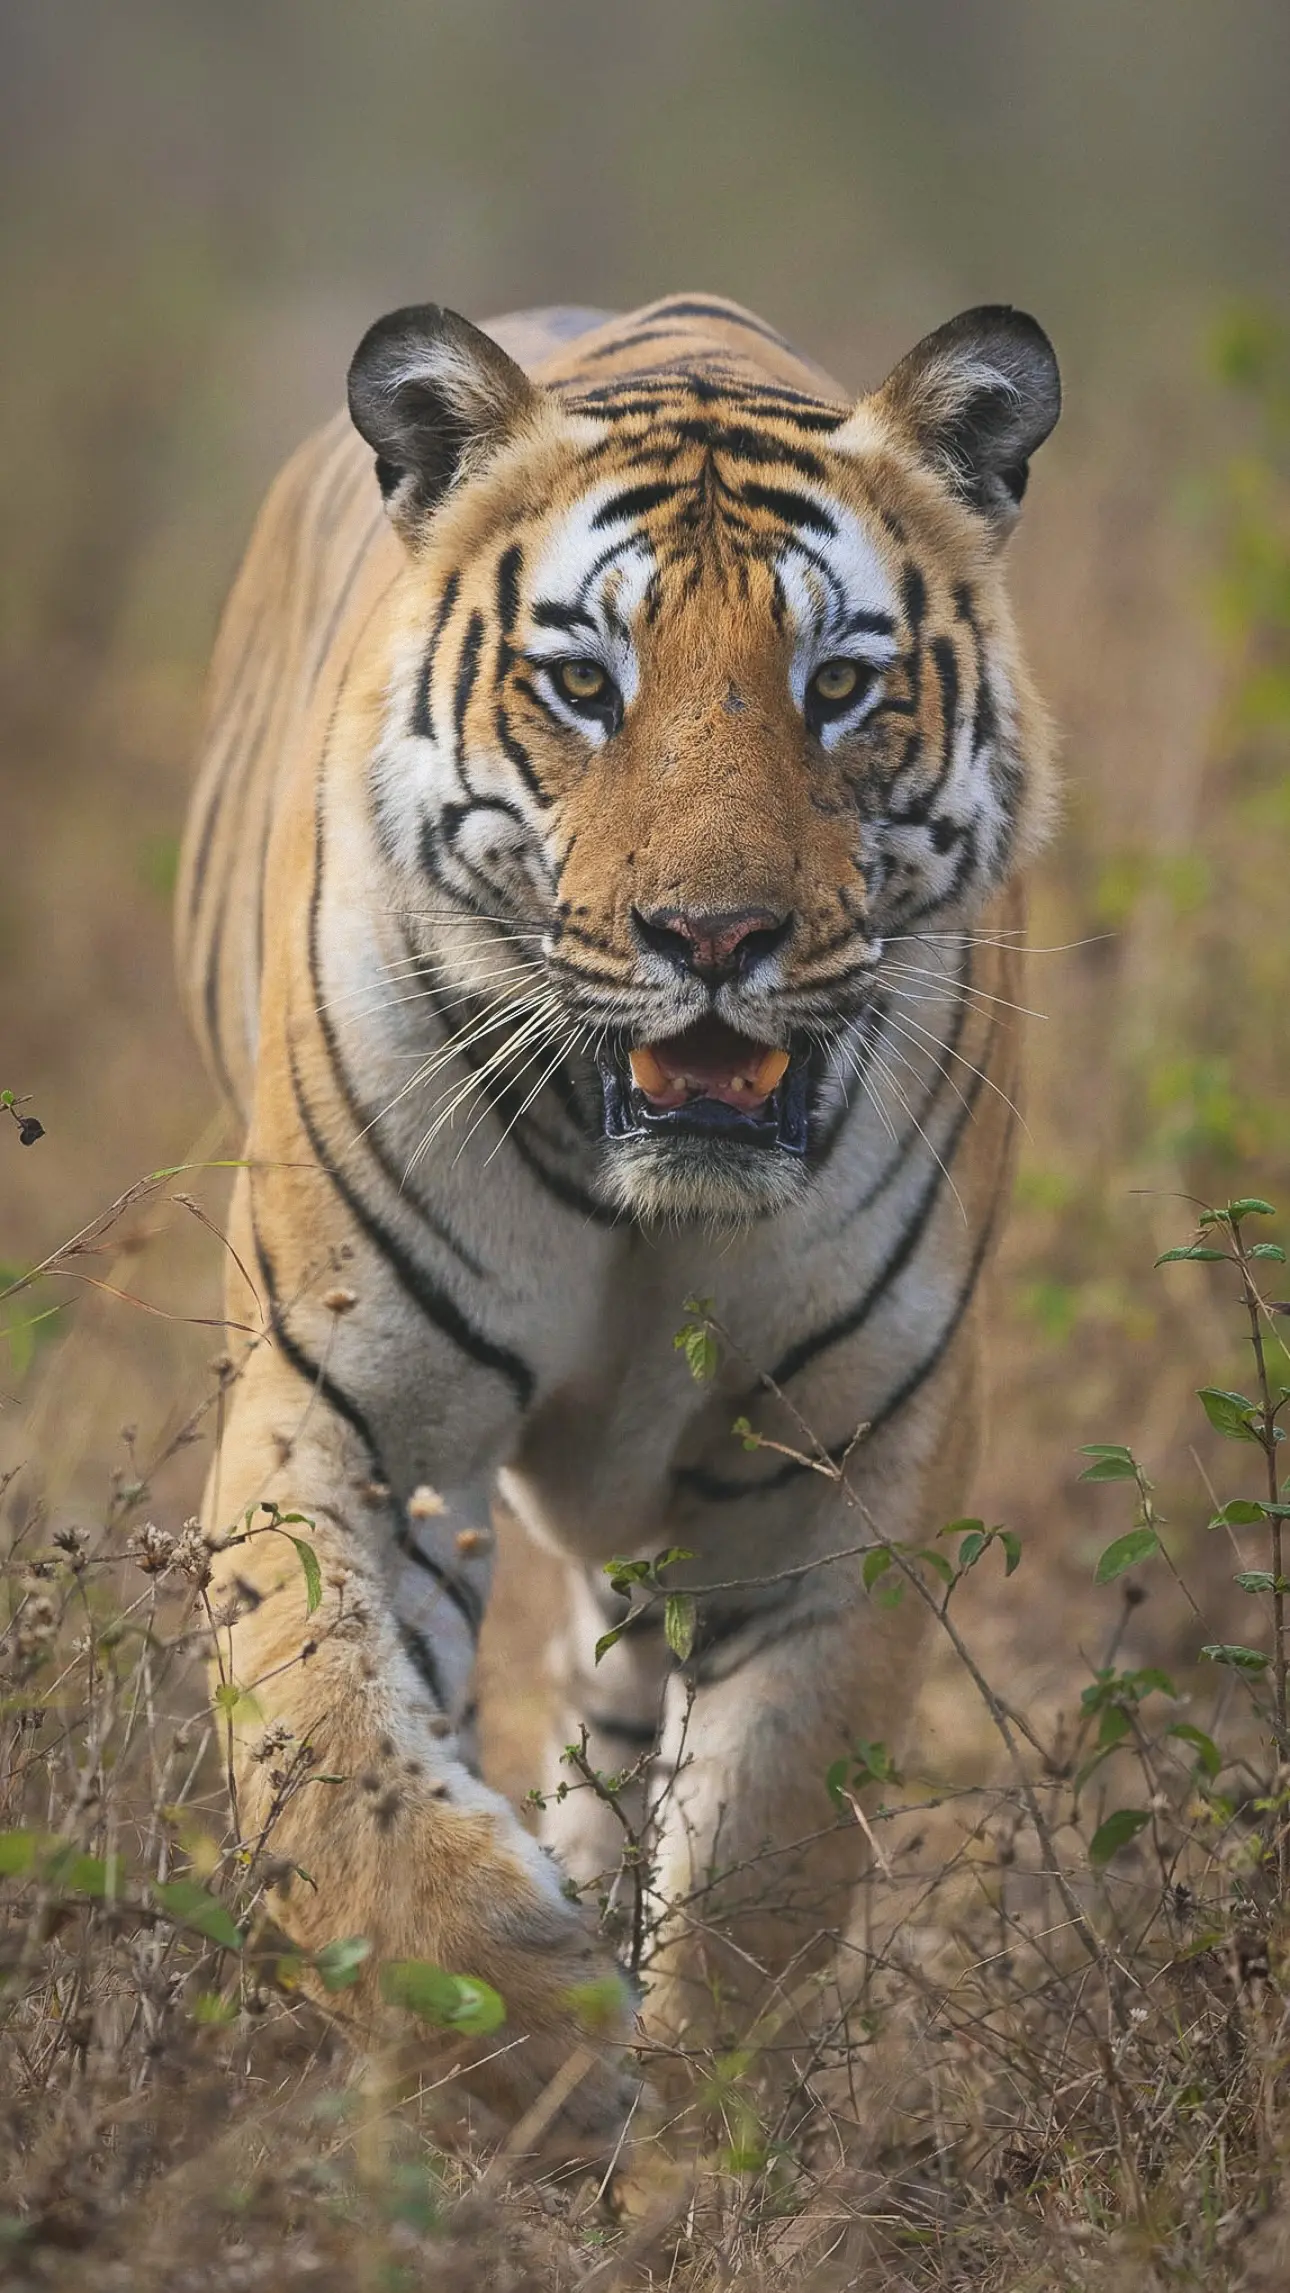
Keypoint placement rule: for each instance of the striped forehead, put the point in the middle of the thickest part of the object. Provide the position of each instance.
(832, 578)
(588, 581)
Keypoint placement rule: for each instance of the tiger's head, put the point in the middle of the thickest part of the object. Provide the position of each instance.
(703, 689)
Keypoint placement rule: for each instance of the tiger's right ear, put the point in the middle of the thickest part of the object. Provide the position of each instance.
(434, 398)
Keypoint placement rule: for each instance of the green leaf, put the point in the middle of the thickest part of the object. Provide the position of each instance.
(623, 1575)
(1011, 1543)
(18, 1852)
(1257, 1580)
(451, 2002)
(936, 1562)
(602, 2006)
(971, 1549)
(1271, 1250)
(1171, 1257)
(1111, 1462)
(1237, 1658)
(1240, 1513)
(1125, 1553)
(1249, 1206)
(1208, 1755)
(1116, 1833)
(1228, 1413)
(962, 1528)
(874, 1565)
(680, 1616)
(1150, 1677)
(313, 1574)
(607, 1641)
(745, 1432)
(874, 1764)
(1113, 1727)
(835, 1777)
(339, 1964)
(76, 1874)
(696, 1341)
(192, 1906)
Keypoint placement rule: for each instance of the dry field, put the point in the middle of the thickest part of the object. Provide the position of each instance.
(1059, 2052)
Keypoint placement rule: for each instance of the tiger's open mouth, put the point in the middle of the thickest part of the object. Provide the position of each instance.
(709, 1082)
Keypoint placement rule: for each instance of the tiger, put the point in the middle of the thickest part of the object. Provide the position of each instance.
(602, 904)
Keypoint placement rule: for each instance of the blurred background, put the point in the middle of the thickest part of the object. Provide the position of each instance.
(206, 201)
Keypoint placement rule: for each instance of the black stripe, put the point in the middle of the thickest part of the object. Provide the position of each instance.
(422, 725)
(739, 442)
(808, 1349)
(648, 395)
(211, 1004)
(422, 1656)
(913, 593)
(625, 342)
(947, 670)
(302, 1362)
(717, 1491)
(365, 1127)
(862, 623)
(792, 508)
(514, 750)
(633, 502)
(464, 1598)
(905, 1144)
(508, 586)
(695, 306)
(467, 673)
(550, 615)
(431, 1302)
(505, 1106)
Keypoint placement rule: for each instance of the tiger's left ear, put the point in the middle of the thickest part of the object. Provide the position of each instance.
(435, 399)
(976, 399)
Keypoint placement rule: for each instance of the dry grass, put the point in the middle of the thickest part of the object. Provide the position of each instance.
(1052, 2071)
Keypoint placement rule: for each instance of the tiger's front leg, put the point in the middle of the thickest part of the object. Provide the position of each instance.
(365, 1706)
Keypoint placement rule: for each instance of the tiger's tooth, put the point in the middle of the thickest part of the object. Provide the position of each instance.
(768, 1072)
(647, 1074)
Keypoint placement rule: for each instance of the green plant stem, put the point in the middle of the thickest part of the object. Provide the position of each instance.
(1267, 1438)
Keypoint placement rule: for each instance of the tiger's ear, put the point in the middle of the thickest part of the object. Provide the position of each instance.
(434, 398)
(977, 398)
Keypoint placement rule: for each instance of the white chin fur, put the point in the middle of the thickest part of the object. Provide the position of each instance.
(684, 1181)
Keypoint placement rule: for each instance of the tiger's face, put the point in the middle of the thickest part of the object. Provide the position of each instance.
(705, 692)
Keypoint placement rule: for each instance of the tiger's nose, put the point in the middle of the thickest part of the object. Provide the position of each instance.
(715, 945)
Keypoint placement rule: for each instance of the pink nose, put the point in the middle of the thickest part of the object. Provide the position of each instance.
(715, 945)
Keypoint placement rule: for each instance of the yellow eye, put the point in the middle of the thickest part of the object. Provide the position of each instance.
(836, 681)
(581, 680)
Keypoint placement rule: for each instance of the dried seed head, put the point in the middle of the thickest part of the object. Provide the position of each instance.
(340, 1301)
(152, 1549)
(193, 1554)
(425, 1503)
(274, 1739)
(474, 1541)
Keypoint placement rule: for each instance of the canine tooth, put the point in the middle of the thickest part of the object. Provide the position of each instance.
(647, 1074)
(769, 1071)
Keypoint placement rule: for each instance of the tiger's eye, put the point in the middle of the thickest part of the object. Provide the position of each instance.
(582, 680)
(836, 681)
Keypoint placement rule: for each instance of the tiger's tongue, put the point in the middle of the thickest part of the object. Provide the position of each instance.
(709, 1061)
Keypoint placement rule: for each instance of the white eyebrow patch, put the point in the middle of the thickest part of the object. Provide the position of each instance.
(598, 576)
(841, 598)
